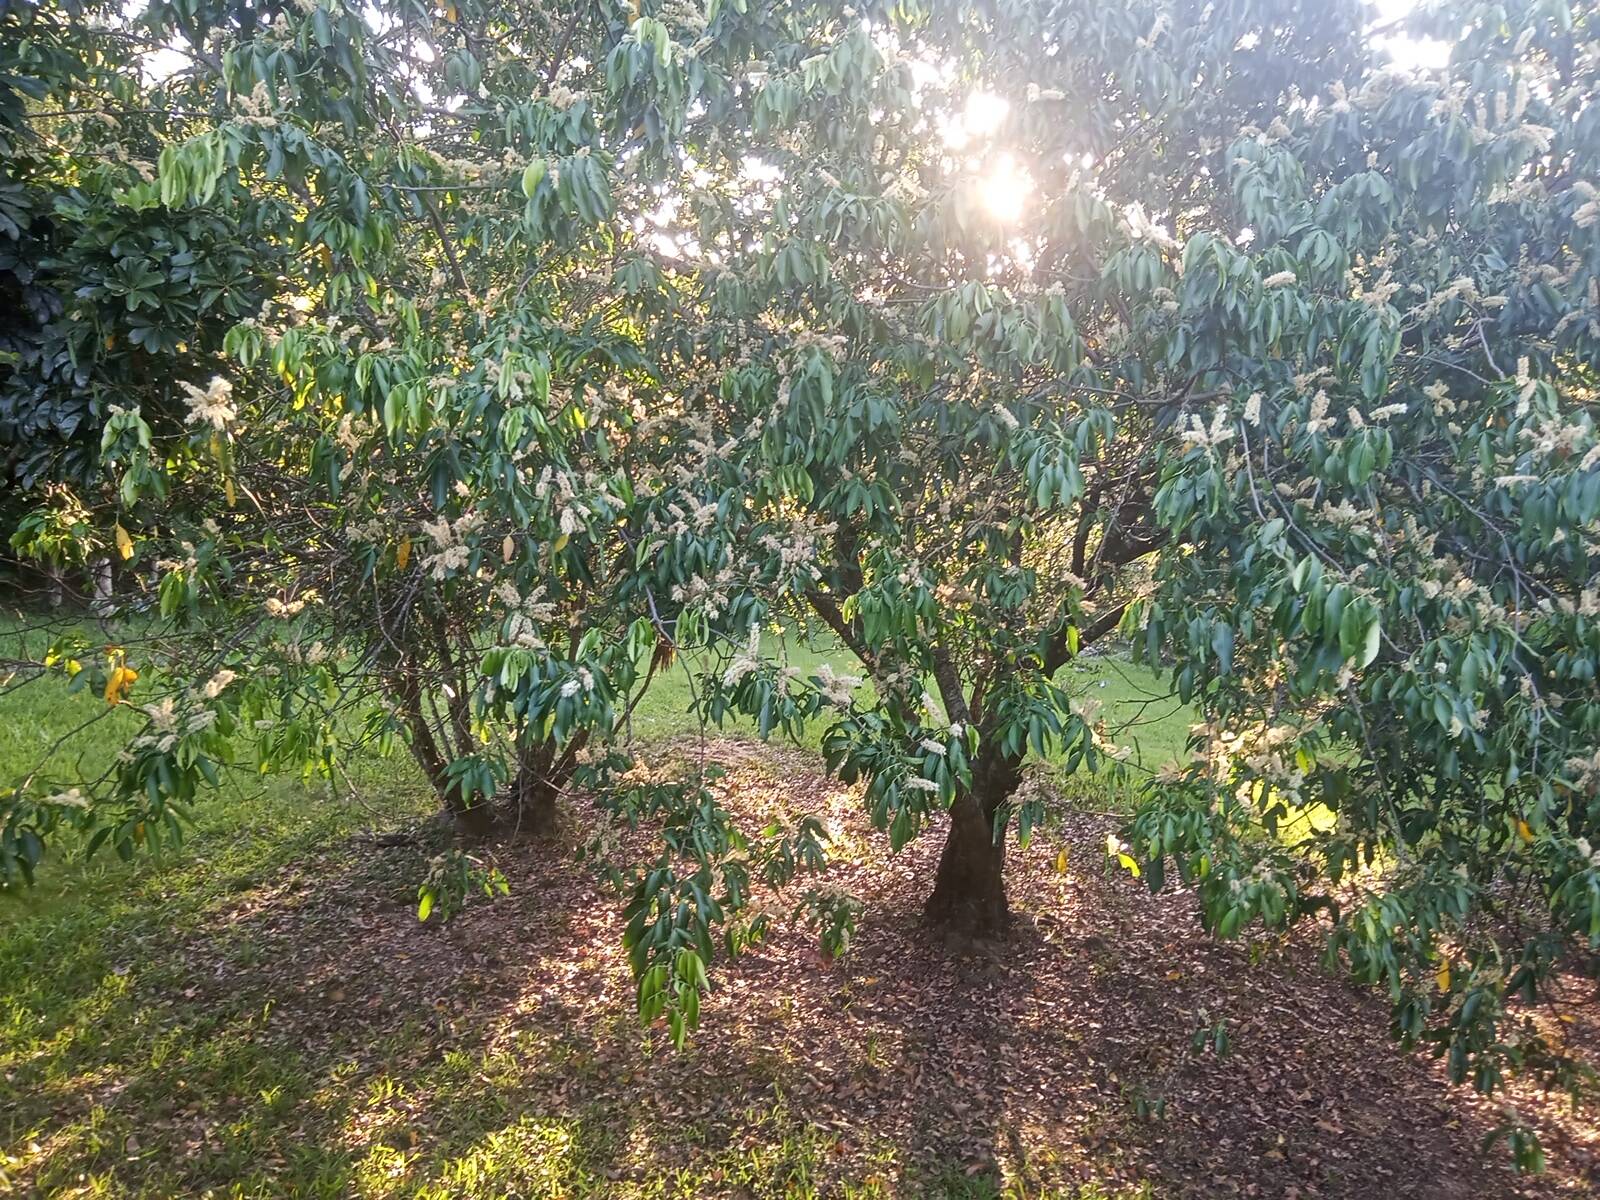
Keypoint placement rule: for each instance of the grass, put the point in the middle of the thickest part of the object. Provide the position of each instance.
(281, 812)
(120, 1074)
(1140, 709)
(667, 709)
(243, 826)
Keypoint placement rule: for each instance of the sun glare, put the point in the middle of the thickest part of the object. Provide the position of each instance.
(979, 118)
(983, 113)
(1004, 188)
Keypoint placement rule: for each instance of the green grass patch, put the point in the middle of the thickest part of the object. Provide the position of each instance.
(123, 1074)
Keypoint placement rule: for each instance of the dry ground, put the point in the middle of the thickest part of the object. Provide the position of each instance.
(313, 1038)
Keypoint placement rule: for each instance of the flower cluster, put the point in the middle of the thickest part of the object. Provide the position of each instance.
(836, 689)
(451, 549)
(211, 405)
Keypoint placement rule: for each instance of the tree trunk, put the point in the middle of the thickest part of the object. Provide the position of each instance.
(473, 819)
(543, 771)
(969, 891)
(100, 574)
(534, 794)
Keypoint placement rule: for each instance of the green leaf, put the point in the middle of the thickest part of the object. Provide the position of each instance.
(1352, 626)
(532, 174)
(1371, 641)
(1222, 646)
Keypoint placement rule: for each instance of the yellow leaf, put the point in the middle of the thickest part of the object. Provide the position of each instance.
(70, 665)
(560, 544)
(1524, 831)
(227, 490)
(326, 256)
(1061, 862)
(1129, 864)
(508, 548)
(1443, 977)
(124, 542)
(117, 684)
(451, 13)
(402, 553)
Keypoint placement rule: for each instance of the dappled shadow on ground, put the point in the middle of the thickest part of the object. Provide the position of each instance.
(314, 1038)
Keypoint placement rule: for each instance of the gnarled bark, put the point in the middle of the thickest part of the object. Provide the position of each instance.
(543, 771)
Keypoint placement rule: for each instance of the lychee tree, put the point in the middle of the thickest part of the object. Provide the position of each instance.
(944, 362)
(1386, 599)
(388, 502)
(1036, 322)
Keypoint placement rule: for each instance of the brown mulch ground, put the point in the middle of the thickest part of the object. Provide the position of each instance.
(1065, 1055)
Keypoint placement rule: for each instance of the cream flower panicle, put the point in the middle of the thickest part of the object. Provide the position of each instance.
(212, 405)
(215, 685)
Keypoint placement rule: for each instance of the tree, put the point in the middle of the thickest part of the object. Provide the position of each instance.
(1400, 634)
(405, 508)
(102, 303)
(395, 513)
(107, 302)
(943, 376)
(1053, 320)
(969, 333)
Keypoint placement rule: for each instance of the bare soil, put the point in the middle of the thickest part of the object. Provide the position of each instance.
(1064, 1055)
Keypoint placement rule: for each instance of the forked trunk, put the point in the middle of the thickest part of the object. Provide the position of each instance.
(969, 891)
(543, 771)
(472, 815)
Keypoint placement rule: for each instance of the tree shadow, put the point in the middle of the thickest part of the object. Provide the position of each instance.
(309, 1036)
